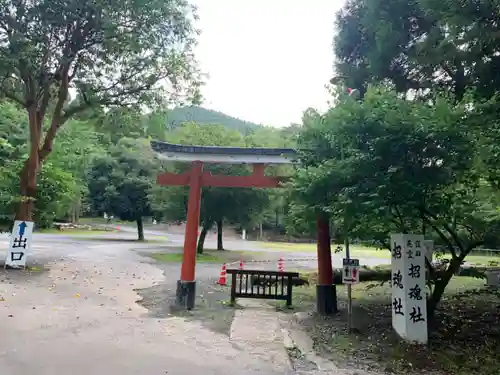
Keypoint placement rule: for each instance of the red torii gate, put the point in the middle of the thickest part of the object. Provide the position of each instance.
(196, 179)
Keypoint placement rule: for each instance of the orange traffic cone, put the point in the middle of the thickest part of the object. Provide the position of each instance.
(281, 265)
(222, 277)
(241, 264)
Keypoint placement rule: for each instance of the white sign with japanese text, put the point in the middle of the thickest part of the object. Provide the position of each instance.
(409, 300)
(20, 244)
(350, 272)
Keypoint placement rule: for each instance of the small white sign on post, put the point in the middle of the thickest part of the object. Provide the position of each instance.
(350, 272)
(409, 299)
(20, 244)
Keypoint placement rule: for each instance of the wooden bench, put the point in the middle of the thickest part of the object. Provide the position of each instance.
(262, 284)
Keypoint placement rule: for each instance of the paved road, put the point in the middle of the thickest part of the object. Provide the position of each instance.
(241, 245)
(50, 246)
(80, 316)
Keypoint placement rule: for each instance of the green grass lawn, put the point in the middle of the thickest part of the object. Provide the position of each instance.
(174, 255)
(75, 232)
(100, 220)
(372, 291)
(360, 251)
(484, 260)
(153, 240)
(177, 258)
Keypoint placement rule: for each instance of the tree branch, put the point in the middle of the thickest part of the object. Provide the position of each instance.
(57, 118)
(445, 239)
(71, 111)
(471, 247)
(400, 218)
(42, 108)
(432, 272)
(452, 233)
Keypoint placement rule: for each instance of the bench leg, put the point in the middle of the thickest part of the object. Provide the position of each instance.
(233, 289)
(289, 289)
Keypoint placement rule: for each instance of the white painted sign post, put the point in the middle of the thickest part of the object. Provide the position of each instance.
(409, 300)
(20, 244)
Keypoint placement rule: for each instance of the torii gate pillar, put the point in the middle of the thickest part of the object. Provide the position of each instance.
(196, 179)
(186, 286)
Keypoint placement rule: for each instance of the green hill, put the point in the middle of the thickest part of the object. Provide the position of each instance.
(201, 115)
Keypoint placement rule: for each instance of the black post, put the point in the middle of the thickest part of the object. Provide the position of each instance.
(233, 288)
(185, 294)
(289, 291)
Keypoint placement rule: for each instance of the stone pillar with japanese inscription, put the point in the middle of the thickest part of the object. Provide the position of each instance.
(409, 300)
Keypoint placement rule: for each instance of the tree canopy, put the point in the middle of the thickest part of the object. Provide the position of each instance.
(420, 46)
(119, 182)
(386, 164)
(200, 115)
(111, 53)
(86, 173)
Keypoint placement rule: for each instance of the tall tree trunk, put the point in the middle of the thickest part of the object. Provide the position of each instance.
(38, 152)
(201, 240)
(29, 173)
(78, 208)
(220, 245)
(140, 229)
(75, 210)
(28, 180)
(439, 288)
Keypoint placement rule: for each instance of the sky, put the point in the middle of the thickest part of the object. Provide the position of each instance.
(267, 60)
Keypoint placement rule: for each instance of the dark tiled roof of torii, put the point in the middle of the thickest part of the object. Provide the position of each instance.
(165, 147)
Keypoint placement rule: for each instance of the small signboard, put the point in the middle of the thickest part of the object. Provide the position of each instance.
(20, 244)
(350, 271)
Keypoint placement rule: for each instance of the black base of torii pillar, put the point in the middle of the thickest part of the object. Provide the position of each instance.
(326, 291)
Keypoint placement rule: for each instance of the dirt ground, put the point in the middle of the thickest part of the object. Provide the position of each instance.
(212, 300)
(466, 339)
